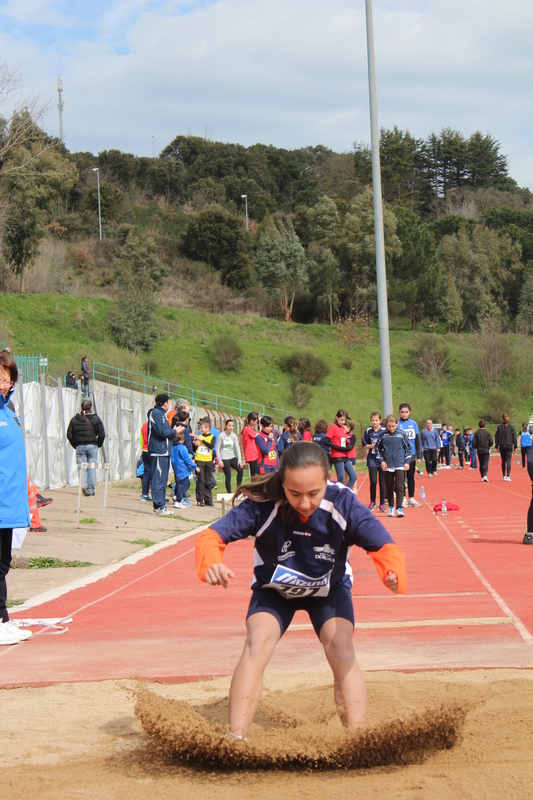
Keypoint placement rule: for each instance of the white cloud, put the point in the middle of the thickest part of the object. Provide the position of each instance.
(289, 74)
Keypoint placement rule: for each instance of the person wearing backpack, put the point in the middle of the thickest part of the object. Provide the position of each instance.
(86, 435)
(482, 442)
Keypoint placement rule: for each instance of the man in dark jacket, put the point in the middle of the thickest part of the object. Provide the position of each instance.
(86, 434)
(482, 442)
(160, 436)
(506, 442)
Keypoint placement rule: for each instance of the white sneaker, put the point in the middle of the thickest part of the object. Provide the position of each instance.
(485, 479)
(10, 633)
(413, 504)
(404, 502)
(179, 505)
(164, 512)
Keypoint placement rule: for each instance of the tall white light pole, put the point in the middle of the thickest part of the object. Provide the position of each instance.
(97, 170)
(381, 273)
(245, 198)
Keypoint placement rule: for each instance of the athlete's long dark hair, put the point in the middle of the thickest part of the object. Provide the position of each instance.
(269, 488)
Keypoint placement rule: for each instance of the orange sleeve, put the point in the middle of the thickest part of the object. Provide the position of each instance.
(209, 550)
(390, 557)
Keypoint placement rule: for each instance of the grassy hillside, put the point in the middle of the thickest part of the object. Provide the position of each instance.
(65, 327)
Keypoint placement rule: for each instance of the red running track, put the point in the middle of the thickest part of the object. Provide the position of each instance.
(469, 602)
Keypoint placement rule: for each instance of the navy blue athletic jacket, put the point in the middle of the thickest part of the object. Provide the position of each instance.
(303, 558)
(394, 449)
(160, 434)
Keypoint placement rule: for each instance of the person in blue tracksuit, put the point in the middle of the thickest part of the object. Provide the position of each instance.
(369, 441)
(410, 428)
(268, 459)
(446, 436)
(473, 451)
(289, 436)
(160, 436)
(321, 428)
(14, 509)
(525, 443)
(394, 456)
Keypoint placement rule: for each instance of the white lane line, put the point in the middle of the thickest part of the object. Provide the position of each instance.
(521, 628)
(421, 623)
(94, 577)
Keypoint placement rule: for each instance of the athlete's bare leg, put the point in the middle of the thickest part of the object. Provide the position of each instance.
(349, 685)
(247, 683)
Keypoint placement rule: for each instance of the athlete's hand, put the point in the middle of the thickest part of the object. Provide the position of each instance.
(383, 465)
(406, 467)
(391, 579)
(219, 575)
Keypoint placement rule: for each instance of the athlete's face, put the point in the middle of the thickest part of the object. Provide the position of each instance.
(305, 489)
(375, 422)
(405, 413)
(341, 421)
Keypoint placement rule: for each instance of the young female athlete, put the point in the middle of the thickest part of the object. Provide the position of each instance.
(336, 440)
(304, 527)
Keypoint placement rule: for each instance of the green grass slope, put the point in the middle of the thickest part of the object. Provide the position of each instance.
(65, 327)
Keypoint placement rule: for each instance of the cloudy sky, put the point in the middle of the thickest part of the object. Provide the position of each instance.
(287, 72)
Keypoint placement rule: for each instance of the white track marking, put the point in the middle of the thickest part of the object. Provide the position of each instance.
(521, 628)
(420, 623)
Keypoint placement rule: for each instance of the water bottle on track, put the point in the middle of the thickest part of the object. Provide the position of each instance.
(444, 508)
(422, 493)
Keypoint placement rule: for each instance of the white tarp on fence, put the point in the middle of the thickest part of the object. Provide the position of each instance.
(46, 411)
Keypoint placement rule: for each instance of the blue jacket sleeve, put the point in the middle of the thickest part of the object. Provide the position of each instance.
(281, 444)
(161, 427)
(240, 522)
(260, 442)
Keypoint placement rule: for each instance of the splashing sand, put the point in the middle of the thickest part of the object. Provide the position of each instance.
(299, 740)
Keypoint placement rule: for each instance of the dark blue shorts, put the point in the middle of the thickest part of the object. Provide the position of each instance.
(338, 603)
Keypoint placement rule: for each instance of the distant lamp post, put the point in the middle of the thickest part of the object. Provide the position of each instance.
(153, 146)
(245, 198)
(97, 170)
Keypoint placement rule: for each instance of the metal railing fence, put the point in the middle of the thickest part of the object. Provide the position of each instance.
(196, 397)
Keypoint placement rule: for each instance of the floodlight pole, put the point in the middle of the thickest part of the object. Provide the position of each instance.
(245, 198)
(381, 273)
(97, 170)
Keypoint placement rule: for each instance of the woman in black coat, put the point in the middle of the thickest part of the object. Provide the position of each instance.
(506, 443)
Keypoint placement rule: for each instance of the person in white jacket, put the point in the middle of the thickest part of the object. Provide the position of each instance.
(228, 454)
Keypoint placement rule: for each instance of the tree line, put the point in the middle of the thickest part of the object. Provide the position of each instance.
(458, 229)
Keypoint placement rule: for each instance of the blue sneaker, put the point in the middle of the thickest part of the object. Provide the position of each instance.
(145, 498)
(186, 503)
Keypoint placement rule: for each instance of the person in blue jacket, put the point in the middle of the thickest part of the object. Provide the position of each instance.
(394, 456)
(14, 509)
(183, 467)
(410, 428)
(431, 445)
(160, 436)
(289, 436)
(369, 441)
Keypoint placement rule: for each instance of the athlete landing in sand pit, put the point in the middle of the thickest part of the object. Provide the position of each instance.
(304, 527)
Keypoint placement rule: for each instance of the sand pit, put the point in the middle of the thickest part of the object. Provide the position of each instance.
(84, 740)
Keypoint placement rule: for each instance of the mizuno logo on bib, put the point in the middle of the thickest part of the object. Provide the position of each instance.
(293, 584)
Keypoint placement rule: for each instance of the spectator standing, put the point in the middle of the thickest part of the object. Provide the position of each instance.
(410, 428)
(85, 373)
(528, 535)
(304, 428)
(431, 446)
(249, 447)
(86, 435)
(321, 429)
(289, 436)
(268, 458)
(336, 440)
(461, 447)
(482, 442)
(183, 467)
(446, 437)
(472, 449)
(228, 454)
(506, 442)
(525, 444)
(160, 436)
(369, 441)
(394, 456)
(14, 510)
(204, 447)
(147, 463)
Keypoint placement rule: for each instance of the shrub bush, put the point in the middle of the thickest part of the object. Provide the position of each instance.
(301, 393)
(228, 353)
(498, 401)
(347, 363)
(306, 366)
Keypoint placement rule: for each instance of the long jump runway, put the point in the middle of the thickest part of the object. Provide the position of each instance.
(469, 602)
